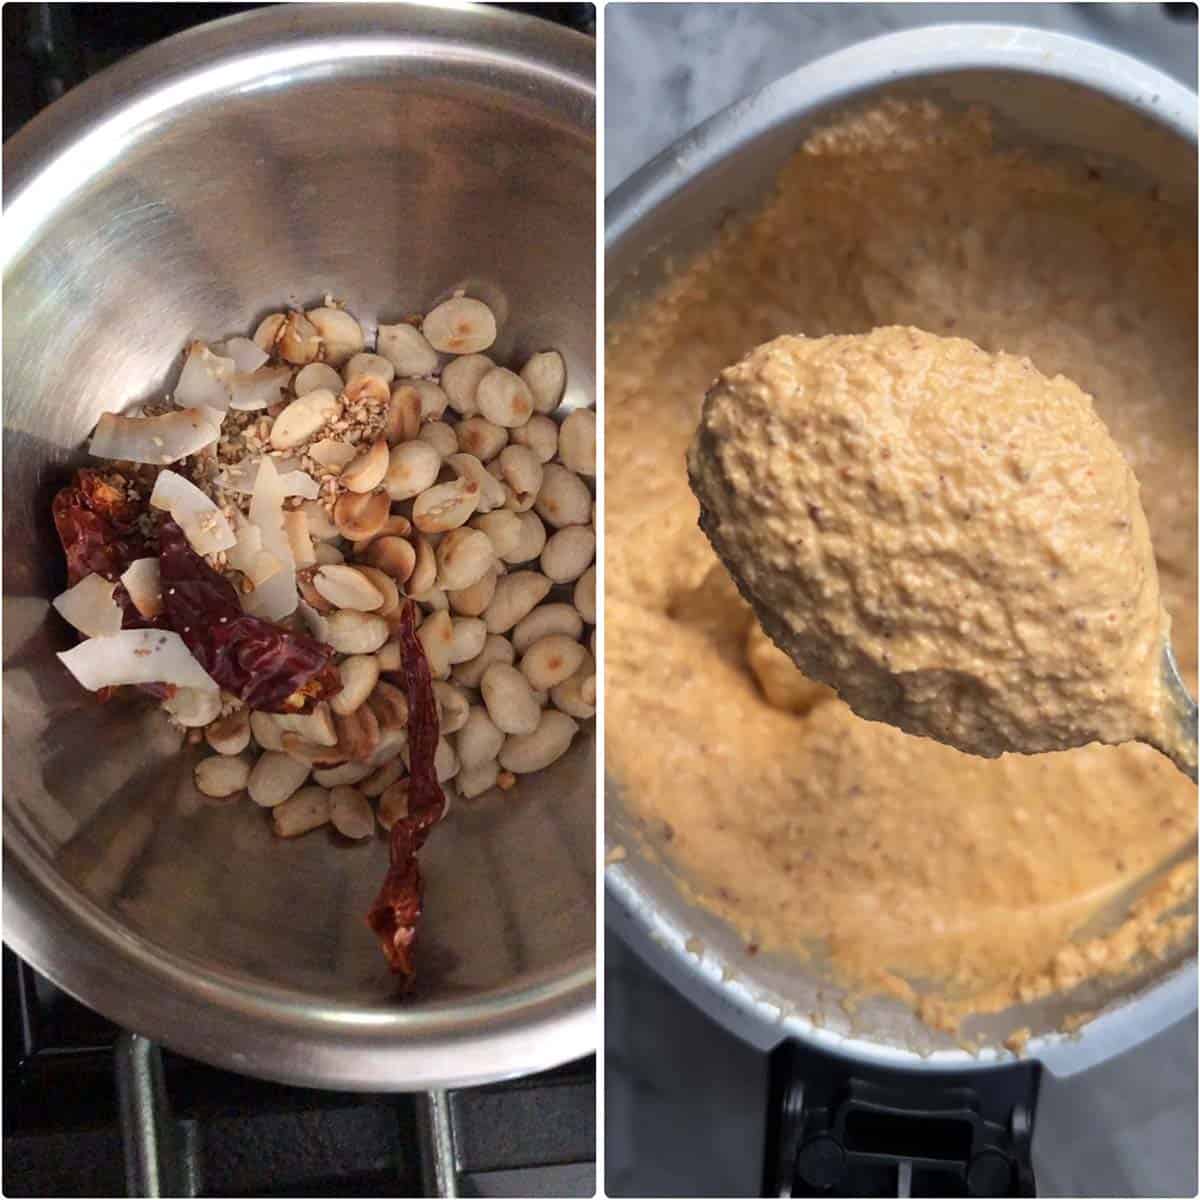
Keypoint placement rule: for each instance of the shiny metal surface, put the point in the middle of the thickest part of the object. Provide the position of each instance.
(1048, 91)
(385, 154)
(1182, 708)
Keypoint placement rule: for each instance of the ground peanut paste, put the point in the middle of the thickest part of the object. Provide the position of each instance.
(949, 537)
(909, 864)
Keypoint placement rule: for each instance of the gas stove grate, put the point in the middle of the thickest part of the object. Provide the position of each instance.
(91, 1110)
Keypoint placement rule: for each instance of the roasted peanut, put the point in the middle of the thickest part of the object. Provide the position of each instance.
(577, 442)
(479, 740)
(220, 775)
(545, 375)
(545, 620)
(460, 381)
(395, 556)
(535, 751)
(478, 436)
(464, 556)
(412, 468)
(516, 596)
(496, 649)
(366, 363)
(522, 471)
(344, 587)
(491, 490)
(404, 414)
(473, 601)
(568, 553)
(440, 436)
(460, 325)
(540, 434)
(530, 541)
(341, 335)
(358, 517)
(274, 778)
(504, 398)
(350, 814)
(301, 813)
(351, 632)
(477, 780)
(509, 699)
(585, 595)
(551, 660)
(230, 734)
(445, 506)
(367, 471)
(453, 706)
(406, 349)
(436, 635)
(360, 674)
(564, 498)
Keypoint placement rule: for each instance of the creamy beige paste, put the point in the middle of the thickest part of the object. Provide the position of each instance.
(809, 829)
(949, 537)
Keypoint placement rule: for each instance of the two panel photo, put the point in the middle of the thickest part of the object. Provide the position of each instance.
(600, 599)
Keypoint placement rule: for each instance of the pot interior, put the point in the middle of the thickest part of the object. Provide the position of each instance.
(385, 170)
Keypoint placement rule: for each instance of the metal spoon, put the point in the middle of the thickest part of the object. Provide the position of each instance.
(1179, 742)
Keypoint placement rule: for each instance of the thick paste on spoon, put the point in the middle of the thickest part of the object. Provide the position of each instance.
(949, 537)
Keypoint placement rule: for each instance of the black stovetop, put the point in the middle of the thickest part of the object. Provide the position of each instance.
(65, 1133)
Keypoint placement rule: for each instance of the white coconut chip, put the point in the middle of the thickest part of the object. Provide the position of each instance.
(203, 523)
(90, 607)
(144, 585)
(240, 477)
(248, 556)
(136, 656)
(157, 440)
(246, 356)
(205, 379)
(276, 597)
(259, 389)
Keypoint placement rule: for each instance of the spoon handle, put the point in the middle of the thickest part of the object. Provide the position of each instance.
(1181, 717)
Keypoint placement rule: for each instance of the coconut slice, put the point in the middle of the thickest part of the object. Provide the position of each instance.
(136, 656)
(275, 598)
(259, 389)
(90, 607)
(241, 476)
(142, 582)
(157, 440)
(205, 379)
(295, 525)
(203, 523)
(247, 357)
(248, 556)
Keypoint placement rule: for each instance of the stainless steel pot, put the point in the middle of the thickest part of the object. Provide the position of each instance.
(384, 154)
(1053, 92)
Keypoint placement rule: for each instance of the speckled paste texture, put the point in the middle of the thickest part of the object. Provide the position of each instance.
(957, 882)
(948, 536)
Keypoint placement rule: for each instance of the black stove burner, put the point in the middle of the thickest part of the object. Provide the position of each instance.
(839, 1129)
(49, 48)
(79, 1095)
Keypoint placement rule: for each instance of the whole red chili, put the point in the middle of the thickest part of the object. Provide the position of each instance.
(261, 663)
(397, 908)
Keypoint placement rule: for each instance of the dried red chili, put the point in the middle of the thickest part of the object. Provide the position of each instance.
(97, 526)
(264, 665)
(397, 908)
